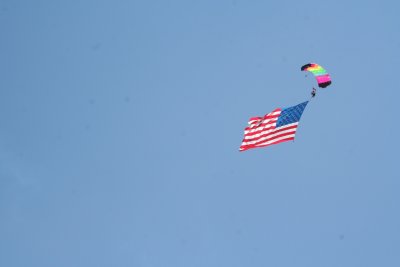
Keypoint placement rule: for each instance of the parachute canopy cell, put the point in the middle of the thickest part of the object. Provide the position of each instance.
(319, 72)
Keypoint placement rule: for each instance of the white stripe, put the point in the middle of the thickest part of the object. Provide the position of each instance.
(261, 133)
(268, 124)
(270, 114)
(252, 121)
(271, 141)
(263, 122)
(276, 139)
(268, 131)
(290, 131)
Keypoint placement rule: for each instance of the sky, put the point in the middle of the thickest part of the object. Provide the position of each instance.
(120, 124)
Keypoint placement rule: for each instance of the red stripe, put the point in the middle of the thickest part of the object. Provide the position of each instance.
(269, 139)
(267, 134)
(293, 131)
(267, 116)
(273, 143)
(262, 130)
(265, 121)
(255, 119)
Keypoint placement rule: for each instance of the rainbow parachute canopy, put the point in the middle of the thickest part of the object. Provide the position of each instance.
(320, 74)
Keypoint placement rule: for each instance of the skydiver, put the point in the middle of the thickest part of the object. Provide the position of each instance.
(313, 92)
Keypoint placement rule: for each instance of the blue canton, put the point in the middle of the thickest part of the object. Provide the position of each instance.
(291, 115)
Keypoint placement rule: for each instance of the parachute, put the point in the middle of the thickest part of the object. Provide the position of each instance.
(319, 72)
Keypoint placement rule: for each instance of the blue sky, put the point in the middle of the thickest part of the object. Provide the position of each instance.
(120, 123)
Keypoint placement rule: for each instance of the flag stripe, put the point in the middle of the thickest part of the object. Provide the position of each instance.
(274, 113)
(270, 132)
(277, 142)
(263, 121)
(269, 115)
(270, 138)
(264, 145)
(260, 129)
(259, 126)
(271, 142)
(281, 137)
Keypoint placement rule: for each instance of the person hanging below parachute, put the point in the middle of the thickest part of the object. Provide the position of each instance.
(313, 92)
(321, 75)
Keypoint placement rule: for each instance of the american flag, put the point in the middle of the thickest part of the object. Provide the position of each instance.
(278, 126)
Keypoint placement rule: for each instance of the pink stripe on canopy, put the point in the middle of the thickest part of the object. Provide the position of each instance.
(323, 78)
